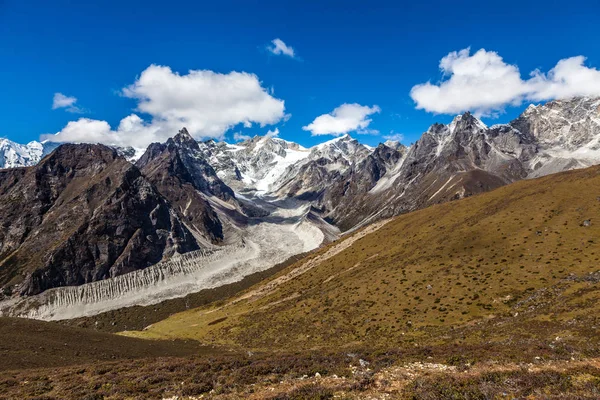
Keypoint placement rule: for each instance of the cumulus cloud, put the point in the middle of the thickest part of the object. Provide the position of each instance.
(240, 137)
(273, 133)
(484, 84)
(569, 78)
(395, 137)
(67, 102)
(278, 47)
(132, 131)
(207, 103)
(345, 118)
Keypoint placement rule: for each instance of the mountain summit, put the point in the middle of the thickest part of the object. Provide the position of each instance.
(258, 201)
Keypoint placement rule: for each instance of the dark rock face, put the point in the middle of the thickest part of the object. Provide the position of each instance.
(180, 172)
(187, 162)
(448, 162)
(357, 181)
(83, 214)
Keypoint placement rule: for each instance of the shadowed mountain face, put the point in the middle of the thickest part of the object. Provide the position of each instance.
(180, 173)
(464, 158)
(82, 214)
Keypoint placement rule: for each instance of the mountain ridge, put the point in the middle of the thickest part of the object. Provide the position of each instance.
(238, 198)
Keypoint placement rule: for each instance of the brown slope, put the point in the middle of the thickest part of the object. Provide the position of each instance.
(35, 344)
(510, 265)
(83, 214)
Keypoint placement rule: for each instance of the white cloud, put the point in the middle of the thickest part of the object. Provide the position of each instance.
(67, 102)
(132, 131)
(207, 103)
(273, 133)
(393, 136)
(484, 84)
(279, 47)
(239, 137)
(345, 118)
(569, 78)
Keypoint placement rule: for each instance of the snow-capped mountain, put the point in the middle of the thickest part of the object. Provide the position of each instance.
(466, 157)
(14, 155)
(325, 164)
(566, 131)
(254, 164)
(250, 205)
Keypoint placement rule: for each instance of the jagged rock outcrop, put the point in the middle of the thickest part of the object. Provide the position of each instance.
(325, 164)
(81, 215)
(180, 172)
(466, 157)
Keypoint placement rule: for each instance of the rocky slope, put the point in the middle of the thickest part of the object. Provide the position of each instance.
(83, 214)
(448, 162)
(179, 171)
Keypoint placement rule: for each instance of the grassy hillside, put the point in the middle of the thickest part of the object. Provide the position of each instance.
(513, 266)
(37, 344)
(494, 296)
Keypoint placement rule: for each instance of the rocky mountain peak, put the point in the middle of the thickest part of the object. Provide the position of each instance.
(466, 122)
(182, 158)
(570, 124)
(184, 139)
(344, 146)
(392, 144)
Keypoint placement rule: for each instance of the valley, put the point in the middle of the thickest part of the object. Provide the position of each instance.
(264, 269)
(502, 300)
(250, 205)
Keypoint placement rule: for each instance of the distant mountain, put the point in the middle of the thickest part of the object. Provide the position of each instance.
(254, 164)
(13, 155)
(466, 157)
(324, 165)
(353, 184)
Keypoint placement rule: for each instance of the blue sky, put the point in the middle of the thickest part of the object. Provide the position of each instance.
(369, 53)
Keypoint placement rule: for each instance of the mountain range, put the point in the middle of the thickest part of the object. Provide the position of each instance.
(85, 213)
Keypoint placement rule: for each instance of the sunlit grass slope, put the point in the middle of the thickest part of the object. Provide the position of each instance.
(512, 263)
